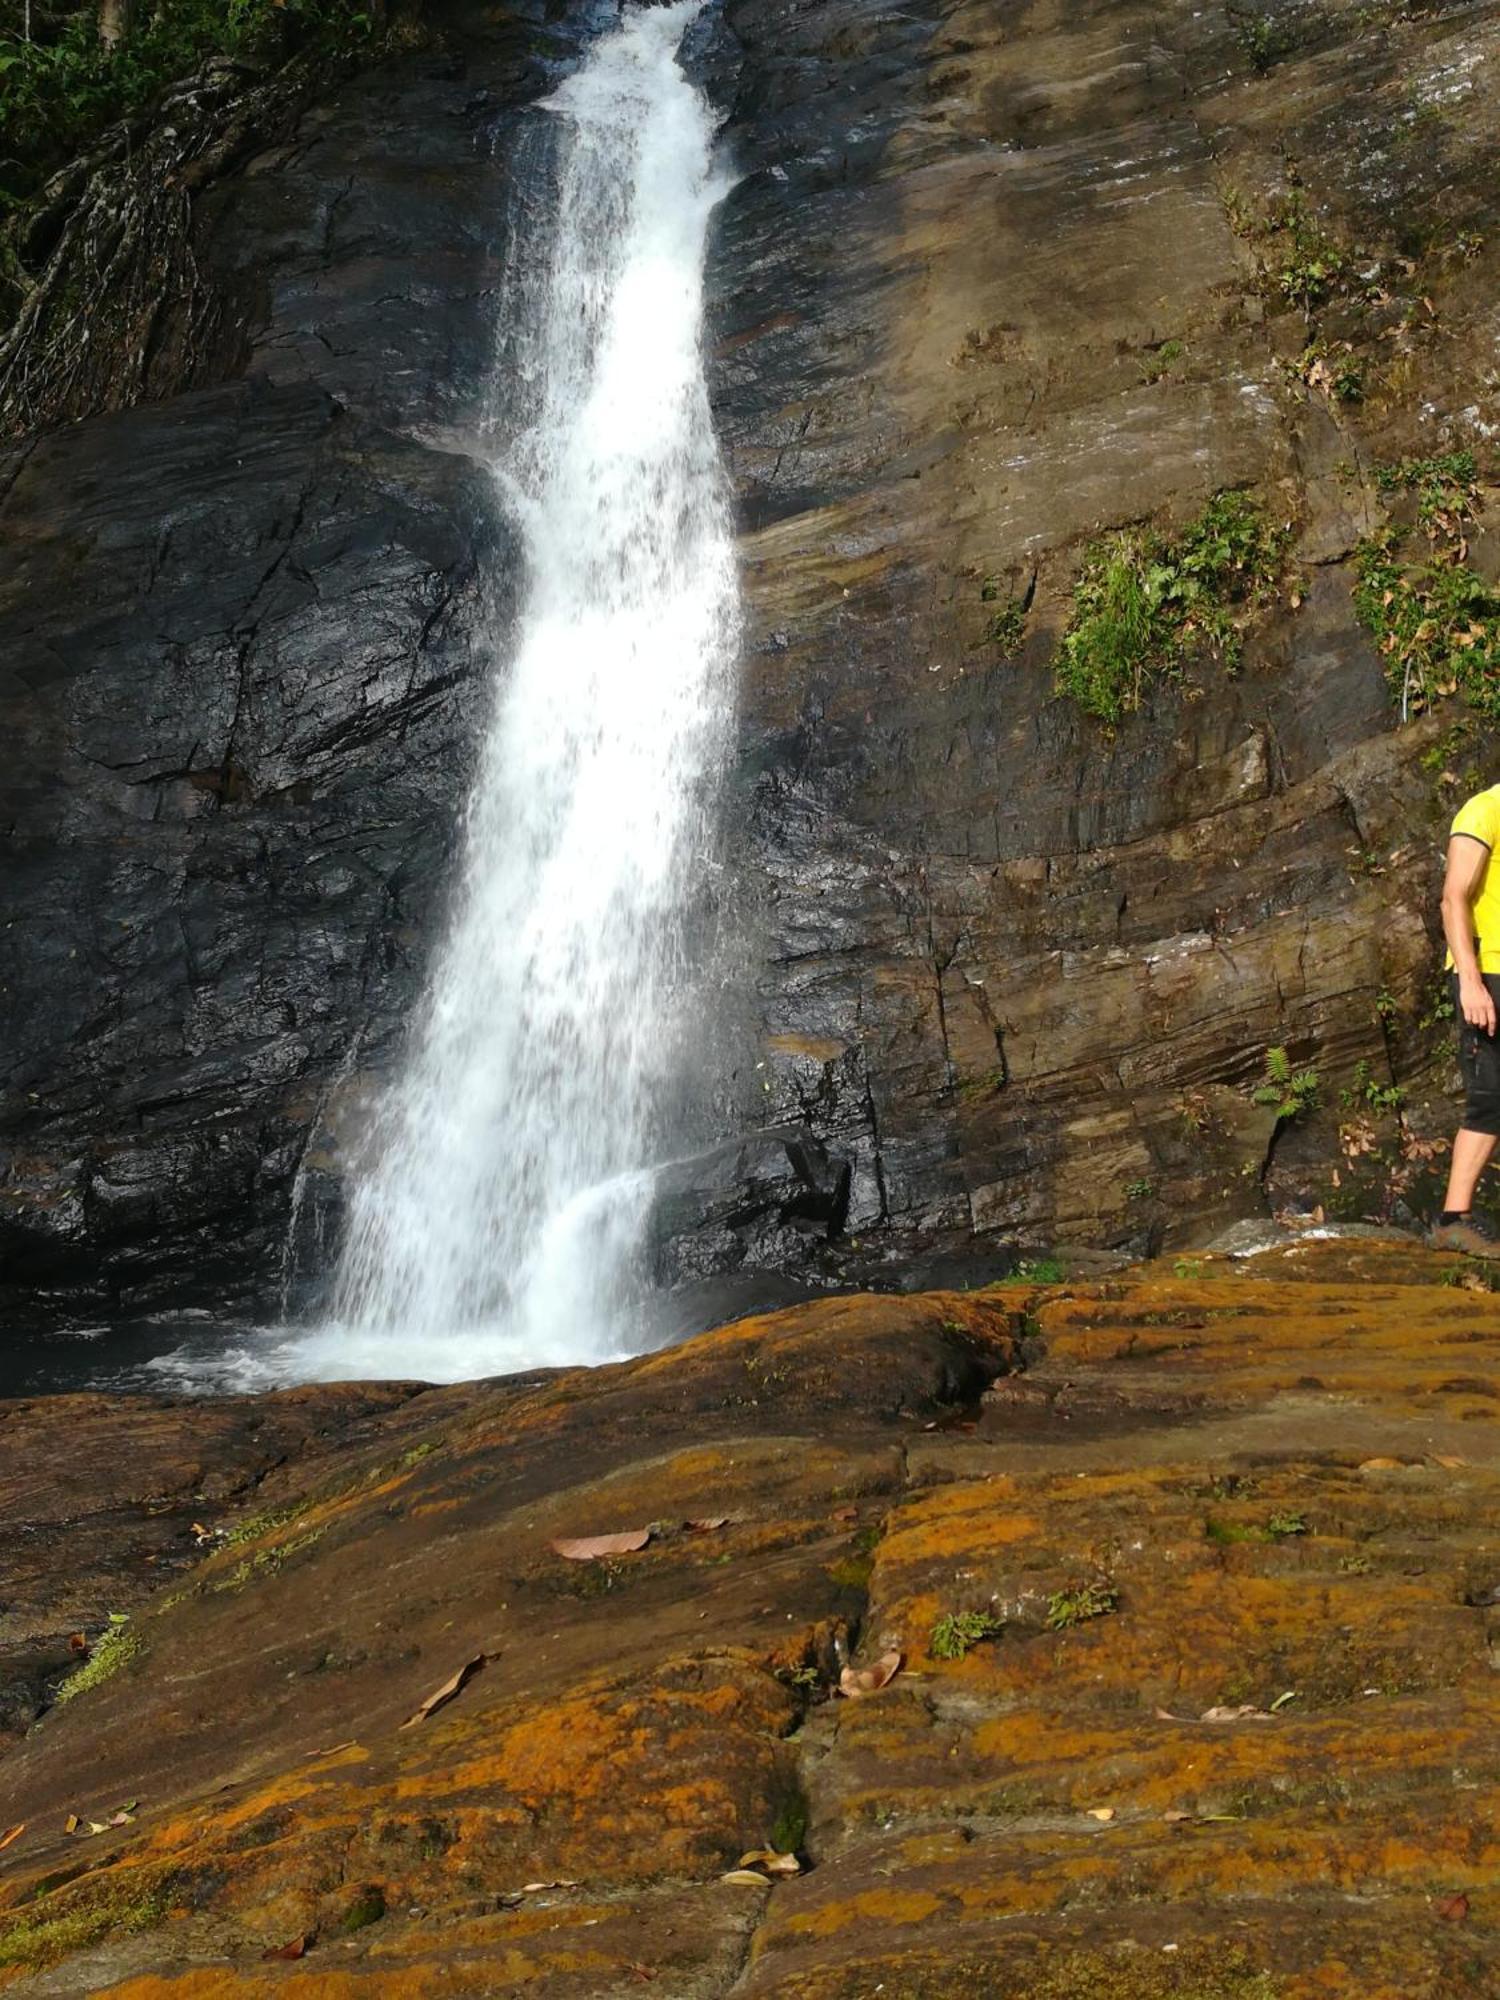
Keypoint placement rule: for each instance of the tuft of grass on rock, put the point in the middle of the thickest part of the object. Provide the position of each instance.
(114, 1649)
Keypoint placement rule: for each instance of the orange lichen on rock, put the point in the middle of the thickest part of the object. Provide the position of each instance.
(1177, 1621)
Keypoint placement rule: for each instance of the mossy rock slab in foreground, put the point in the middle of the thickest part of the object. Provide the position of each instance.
(1223, 1725)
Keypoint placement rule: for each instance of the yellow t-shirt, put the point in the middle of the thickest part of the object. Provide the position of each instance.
(1479, 817)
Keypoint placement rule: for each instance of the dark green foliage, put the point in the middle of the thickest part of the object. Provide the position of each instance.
(60, 90)
(1145, 602)
(1289, 1092)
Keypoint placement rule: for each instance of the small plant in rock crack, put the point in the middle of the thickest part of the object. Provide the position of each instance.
(1076, 1607)
(1364, 1089)
(1287, 1091)
(957, 1631)
(1282, 1526)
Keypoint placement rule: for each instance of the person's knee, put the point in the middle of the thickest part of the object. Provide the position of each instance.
(1482, 1112)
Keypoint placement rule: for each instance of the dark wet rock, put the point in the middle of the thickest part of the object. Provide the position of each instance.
(758, 1201)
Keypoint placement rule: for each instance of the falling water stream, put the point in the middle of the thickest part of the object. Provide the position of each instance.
(497, 1213)
(498, 1222)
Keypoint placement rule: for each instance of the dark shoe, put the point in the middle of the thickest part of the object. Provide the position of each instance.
(1474, 1236)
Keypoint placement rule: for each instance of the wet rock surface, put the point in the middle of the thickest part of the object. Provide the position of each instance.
(985, 286)
(1192, 1578)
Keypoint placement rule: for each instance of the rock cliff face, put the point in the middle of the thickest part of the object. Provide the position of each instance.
(990, 282)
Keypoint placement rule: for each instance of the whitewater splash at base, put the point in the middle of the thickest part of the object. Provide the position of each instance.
(497, 1223)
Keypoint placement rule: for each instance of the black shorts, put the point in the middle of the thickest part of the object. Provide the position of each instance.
(1479, 1065)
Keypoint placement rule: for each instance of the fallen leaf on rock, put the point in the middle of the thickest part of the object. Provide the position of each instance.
(349, 1743)
(845, 1514)
(294, 1948)
(122, 1818)
(749, 1878)
(1102, 1813)
(1448, 1461)
(856, 1681)
(536, 1888)
(1245, 1712)
(772, 1862)
(1453, 1909)
(440, 1697)
(708, 1524)
(71, 1823)
(1380, 1465)
(12, 1833)
(1166, 1715)
(1176, 1814)
(588, 1548)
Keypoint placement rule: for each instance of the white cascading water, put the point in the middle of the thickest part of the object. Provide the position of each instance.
(498, 1220)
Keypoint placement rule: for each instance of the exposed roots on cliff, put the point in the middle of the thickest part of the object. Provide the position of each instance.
(115, 307)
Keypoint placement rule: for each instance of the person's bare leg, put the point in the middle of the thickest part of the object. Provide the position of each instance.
(1471, 1155)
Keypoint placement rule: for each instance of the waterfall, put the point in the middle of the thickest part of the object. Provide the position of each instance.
(497, 1221)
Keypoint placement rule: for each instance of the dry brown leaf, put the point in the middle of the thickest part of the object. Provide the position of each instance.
(349, 1743)
(1448, 1461)
(845, 1514)
(1453, 1909)
(746, 1876)
(1176, 1814)
(440, 1697)
(856, 1681)
(772, 1862)
(1244, 1712)
(1380, 1465)
(12, 1833)
(295, 1948)
(588, 1548)
(1104, 1814)
(536, 1888)
(708, 1524)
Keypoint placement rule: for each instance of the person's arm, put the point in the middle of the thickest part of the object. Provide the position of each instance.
(1468, 857)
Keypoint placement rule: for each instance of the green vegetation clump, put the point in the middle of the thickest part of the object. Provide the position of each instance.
(113, 1650)
(1435, 621)
(1036, 1271)
(956, 1631)
(1279, 1528)
(63, 85)
(1287, 1091)
(1364, 1089)
(1076, 1607)
(1145, 602)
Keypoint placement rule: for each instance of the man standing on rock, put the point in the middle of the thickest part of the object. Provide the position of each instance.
(1471, 923)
